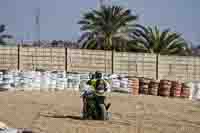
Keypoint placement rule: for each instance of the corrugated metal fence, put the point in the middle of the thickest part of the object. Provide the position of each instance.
(135, 64)
(80, 60)
(31, 58)
(183, 68)
(8, 58)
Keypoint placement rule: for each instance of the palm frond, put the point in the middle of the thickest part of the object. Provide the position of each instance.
(164, 42)
(6, 36)
(2, 28)
(108, 23)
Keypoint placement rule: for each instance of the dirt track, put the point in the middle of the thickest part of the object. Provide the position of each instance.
(59, 113)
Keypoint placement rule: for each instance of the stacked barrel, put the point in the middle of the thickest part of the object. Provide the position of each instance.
(153, 87)
(134, 86)
(144, 86)
(165, 86)
(185, 91)
(176, 89)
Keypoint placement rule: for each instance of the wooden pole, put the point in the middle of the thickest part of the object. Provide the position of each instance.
(157, 57)
(18, 57)
(113, 52)
(66, 59)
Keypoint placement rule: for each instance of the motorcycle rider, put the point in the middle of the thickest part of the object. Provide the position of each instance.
(101, 86)
(92, 80)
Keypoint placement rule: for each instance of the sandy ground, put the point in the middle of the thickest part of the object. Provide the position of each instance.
(59, 113)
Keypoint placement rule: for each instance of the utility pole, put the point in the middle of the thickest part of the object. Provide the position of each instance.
(37, 22)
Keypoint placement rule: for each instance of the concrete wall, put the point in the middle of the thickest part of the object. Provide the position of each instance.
(81, 60)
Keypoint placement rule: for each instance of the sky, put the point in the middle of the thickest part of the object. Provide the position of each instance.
(59, 18)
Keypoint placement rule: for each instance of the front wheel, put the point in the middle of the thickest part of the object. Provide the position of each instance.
(102, 112)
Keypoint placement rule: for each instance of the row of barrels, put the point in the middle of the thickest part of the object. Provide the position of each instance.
(164, 88)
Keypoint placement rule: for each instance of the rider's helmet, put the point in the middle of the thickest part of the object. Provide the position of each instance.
(98, 75)
(91, 75)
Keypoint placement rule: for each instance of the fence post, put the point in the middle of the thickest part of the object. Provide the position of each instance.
(66, 59)
(18, 57)
(157, 57)
(113, 52)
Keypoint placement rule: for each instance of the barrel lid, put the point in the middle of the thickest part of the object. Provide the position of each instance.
(154, 81)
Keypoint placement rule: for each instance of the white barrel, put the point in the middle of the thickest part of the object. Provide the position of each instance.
(106, 76)
(75, 81)
(61, 74)
(124, 83)
(66, 84)
(115, 84)
(52, 84)
(36, 81)
(45, 81)
(60, 84)
(69, 81)
(197, 92)
(6, 81)
(23, 85)
(75, 84)
(16, 79)
(191, 85)
(1, 76)
(8, 77)
(25, 81)
(84, 76)
(69, 84)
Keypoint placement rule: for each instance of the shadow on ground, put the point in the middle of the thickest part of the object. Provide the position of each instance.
(61, 116)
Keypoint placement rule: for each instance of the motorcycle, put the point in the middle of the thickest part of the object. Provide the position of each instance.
(92, 109)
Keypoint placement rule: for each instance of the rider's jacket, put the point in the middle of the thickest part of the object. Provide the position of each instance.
(93, 84)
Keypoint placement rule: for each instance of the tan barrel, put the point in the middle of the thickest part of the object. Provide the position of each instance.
(176, 89)
(153, 87)
(134, 86)
(165, 86)
(144, 86)
(185, 91)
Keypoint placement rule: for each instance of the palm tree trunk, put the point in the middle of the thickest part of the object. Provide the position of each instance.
(110, 44)
(157, 57)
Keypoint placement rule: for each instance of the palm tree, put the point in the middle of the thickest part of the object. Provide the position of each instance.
(102, 26)
(3, 36)
(152, 40)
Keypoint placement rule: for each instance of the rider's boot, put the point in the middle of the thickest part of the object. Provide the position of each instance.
(107, 106)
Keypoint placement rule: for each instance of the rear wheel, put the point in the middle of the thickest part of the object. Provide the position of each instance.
(102, 112)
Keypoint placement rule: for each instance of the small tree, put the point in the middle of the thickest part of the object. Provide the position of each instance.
(3, 36)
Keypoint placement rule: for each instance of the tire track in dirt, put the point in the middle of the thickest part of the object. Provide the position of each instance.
(74, 120)
(37, 123)
(139, 113)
